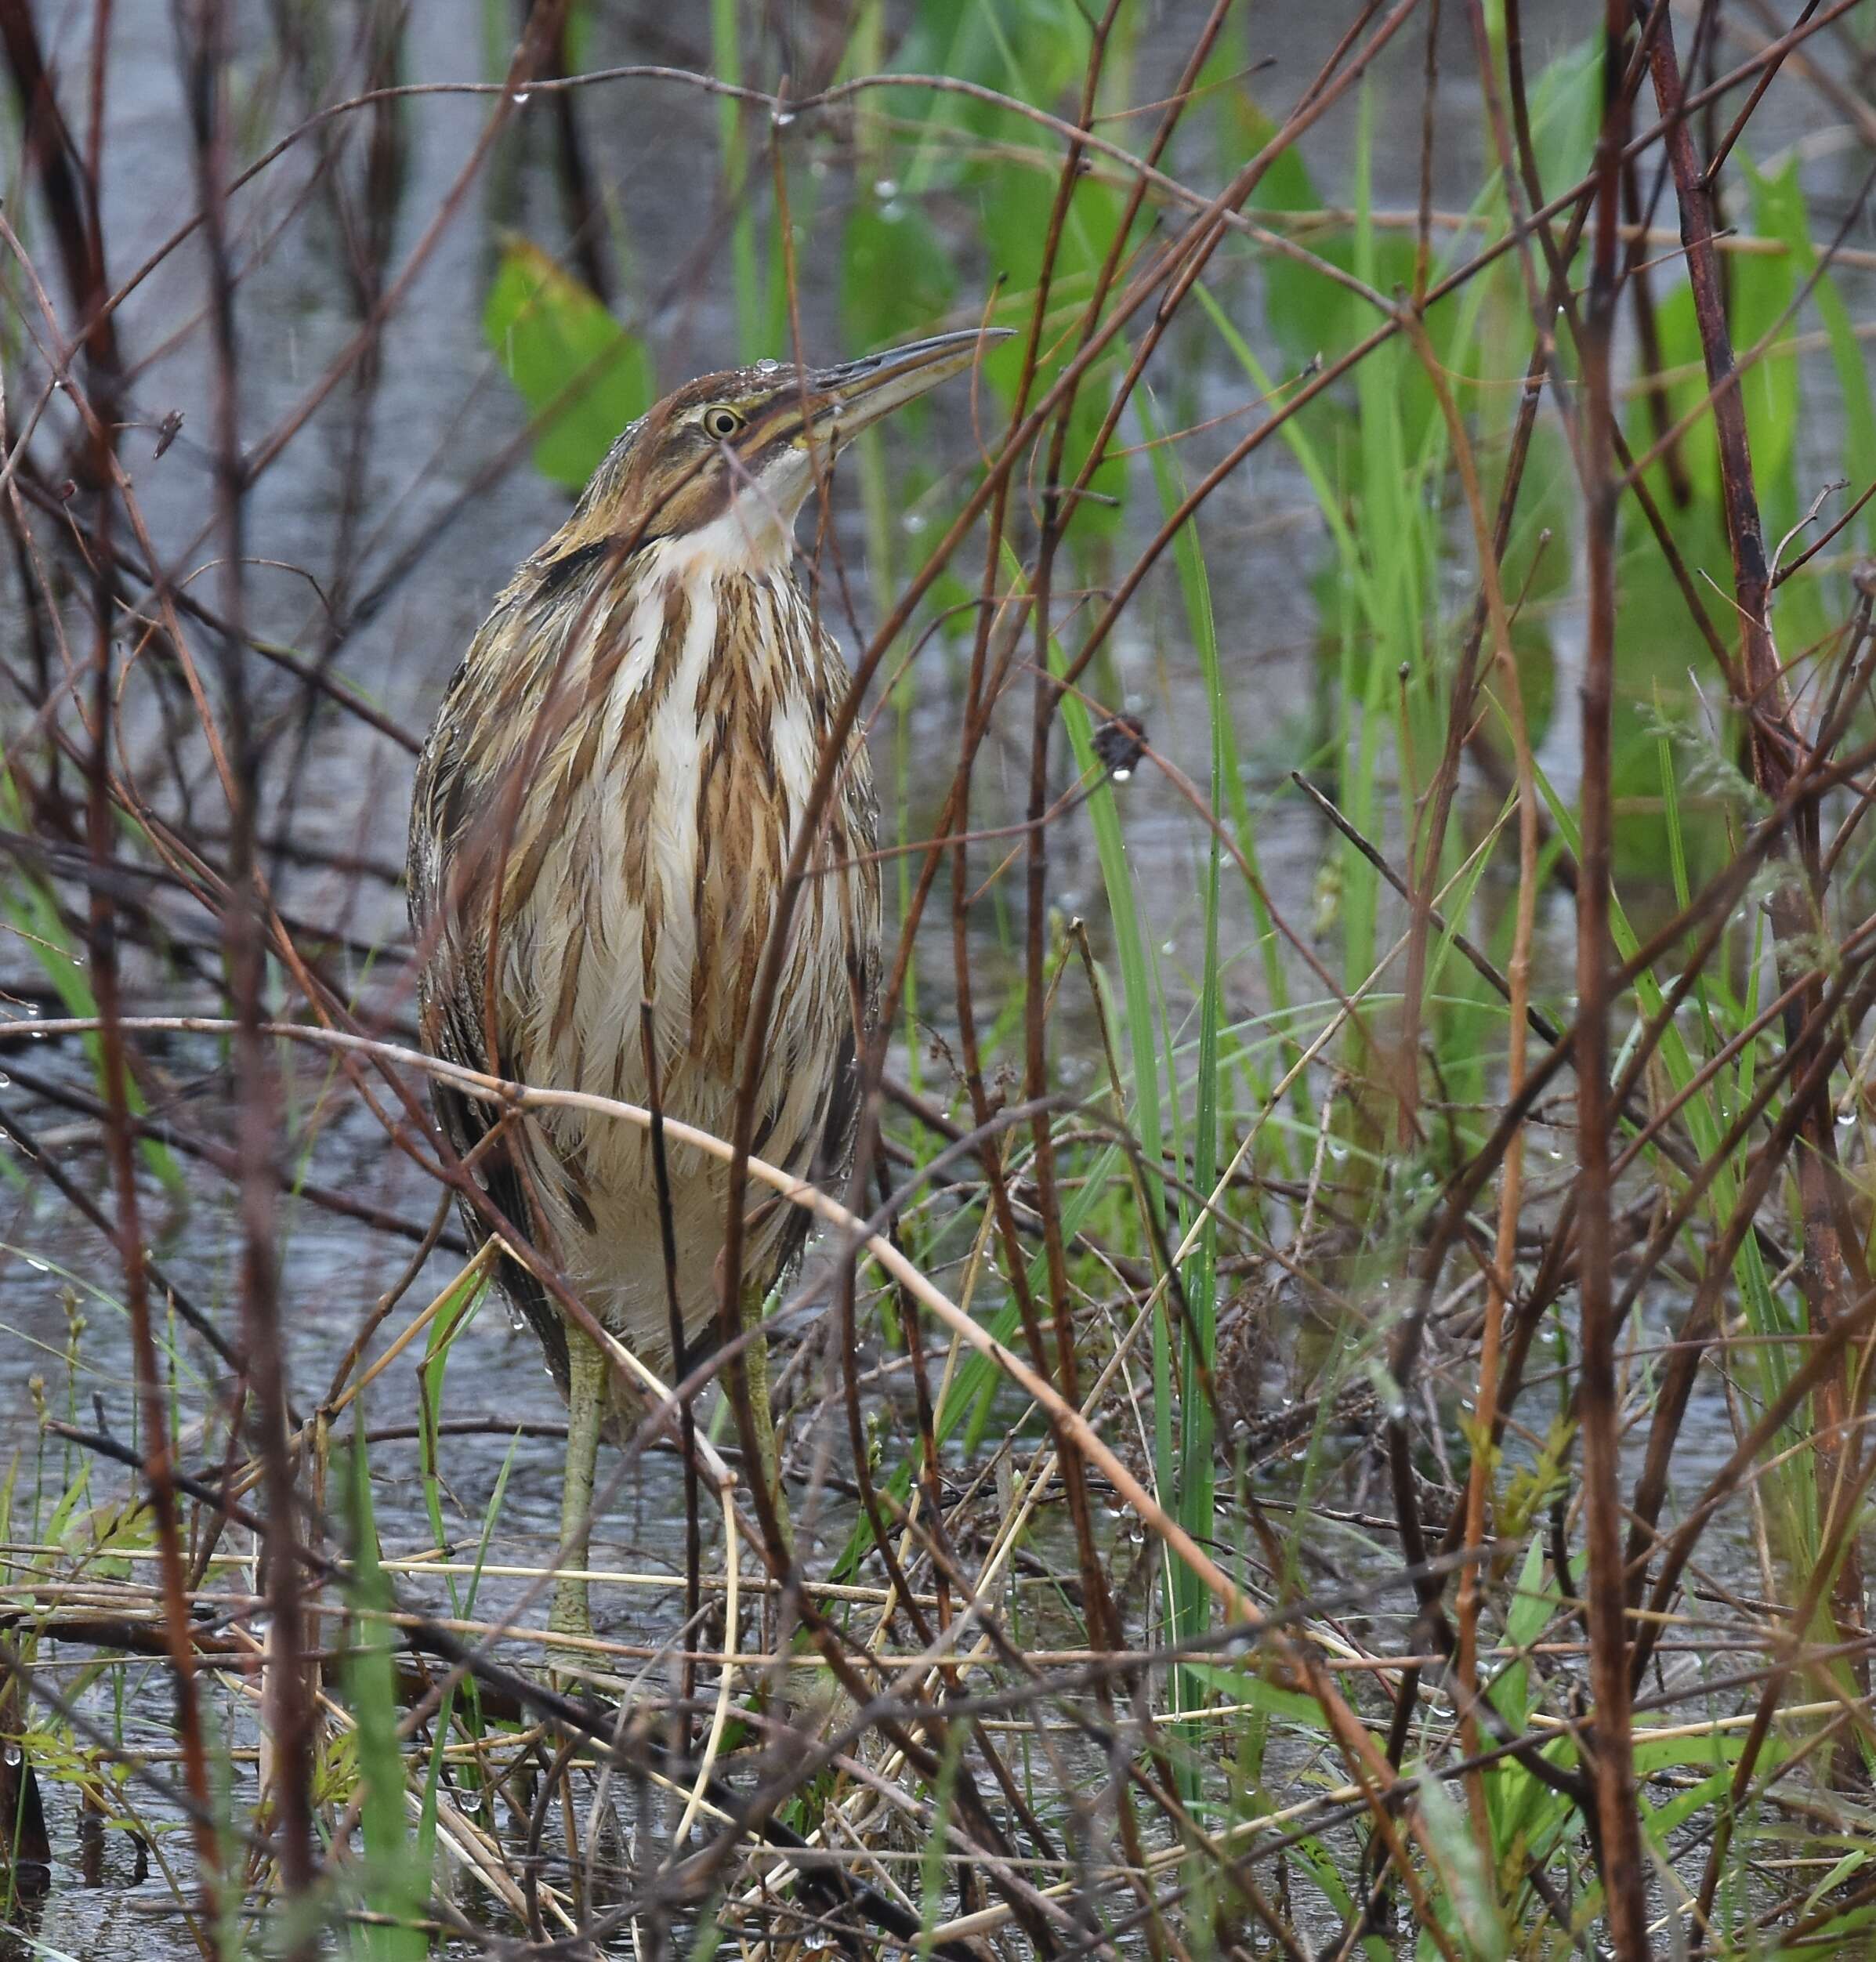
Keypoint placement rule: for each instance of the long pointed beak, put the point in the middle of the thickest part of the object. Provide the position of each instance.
(845, 399)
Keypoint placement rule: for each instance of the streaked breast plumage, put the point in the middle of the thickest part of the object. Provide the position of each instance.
(628, 753)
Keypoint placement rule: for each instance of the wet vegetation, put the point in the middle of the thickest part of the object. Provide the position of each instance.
(1331, 1417)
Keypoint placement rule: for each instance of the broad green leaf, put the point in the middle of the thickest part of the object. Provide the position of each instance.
(583, 377)
(1245, 1686)
(1762, 291)
(1779, 211)
(1532, 1606)
(1466, 1891)
(895, 276)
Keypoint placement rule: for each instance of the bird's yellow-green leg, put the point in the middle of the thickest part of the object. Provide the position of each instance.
(755, 1367)
(571, 1614)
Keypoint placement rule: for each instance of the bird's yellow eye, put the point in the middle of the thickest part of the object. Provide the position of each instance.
(720, 424)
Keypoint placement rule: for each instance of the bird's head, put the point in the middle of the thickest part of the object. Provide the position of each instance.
(729, 458)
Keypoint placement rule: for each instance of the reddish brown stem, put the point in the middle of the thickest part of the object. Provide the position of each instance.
(1599, 1402)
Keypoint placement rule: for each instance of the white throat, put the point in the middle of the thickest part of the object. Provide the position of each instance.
(755, 535)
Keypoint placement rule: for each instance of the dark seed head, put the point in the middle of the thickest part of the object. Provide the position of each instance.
(1120, 743)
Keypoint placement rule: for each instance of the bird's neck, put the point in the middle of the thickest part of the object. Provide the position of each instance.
(751, 537)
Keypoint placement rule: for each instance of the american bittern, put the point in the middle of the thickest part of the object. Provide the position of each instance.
(603, 816)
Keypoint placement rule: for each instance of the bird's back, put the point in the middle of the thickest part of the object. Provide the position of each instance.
(627, 755)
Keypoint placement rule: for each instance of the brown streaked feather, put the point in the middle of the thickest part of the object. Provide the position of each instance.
(465, 1123)
(635, 786)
